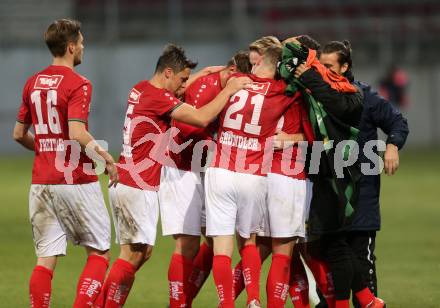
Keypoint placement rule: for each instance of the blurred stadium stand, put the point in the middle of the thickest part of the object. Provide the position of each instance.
(124, 37)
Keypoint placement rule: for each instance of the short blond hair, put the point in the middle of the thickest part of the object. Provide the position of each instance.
(262, 44)
(272, 55)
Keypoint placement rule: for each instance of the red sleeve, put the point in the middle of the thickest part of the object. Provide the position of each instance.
(24, 113)
(295, 113)
(200, 93)
(166, 103)
(79, 103)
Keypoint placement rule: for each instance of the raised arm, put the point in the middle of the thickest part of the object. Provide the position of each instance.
(203, 72)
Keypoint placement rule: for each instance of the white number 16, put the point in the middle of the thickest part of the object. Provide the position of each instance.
(52, 115)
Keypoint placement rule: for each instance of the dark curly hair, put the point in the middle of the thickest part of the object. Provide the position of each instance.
(343, 50)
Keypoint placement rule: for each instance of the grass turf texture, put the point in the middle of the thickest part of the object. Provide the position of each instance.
(408, 247)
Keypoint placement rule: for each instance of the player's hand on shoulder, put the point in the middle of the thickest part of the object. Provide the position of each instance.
(213, 69)
(235, 84)
(292, 39)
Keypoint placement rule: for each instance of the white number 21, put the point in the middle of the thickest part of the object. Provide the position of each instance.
(235, 123)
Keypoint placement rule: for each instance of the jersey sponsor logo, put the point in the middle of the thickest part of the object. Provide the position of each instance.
(48, 82)
(259, 87)
(134, 96)
(241, 142)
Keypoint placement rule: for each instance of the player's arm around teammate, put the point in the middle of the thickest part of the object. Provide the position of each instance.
(151, 106)
(377, 113)
(181, 193)
(236, 195)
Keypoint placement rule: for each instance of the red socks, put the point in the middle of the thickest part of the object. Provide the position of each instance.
(90, 281)
(178, 274)
(221, 270)
(342, 303)
(323, 278)
(365, 297)
(117, 285)
(299, 285)
(251, 262)
(278, 281)
(202, 265)
(238, 280)
(40, 287)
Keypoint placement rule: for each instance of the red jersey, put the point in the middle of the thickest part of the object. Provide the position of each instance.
(51, 98)
(144, 139)
(202, 91)
(291, 123)
(248, 119)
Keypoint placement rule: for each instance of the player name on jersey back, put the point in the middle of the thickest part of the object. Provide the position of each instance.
(241, 142)
(247, 123)
(51, 145)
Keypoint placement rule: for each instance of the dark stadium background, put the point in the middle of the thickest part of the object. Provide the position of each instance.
(123, 39)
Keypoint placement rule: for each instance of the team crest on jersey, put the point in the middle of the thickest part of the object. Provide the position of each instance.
(134, 96)
(259, 87)
(48, 82)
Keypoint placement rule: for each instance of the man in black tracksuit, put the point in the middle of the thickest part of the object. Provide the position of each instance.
(377, 113)
(325, 209)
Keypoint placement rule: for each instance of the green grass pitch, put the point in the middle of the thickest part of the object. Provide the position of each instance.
(408, 247)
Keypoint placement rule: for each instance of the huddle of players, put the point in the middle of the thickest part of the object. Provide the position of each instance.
(241, 191)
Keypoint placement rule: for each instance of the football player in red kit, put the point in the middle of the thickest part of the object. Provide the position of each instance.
(181, 193)
(236, 184)
(65, 199)
(151, 106)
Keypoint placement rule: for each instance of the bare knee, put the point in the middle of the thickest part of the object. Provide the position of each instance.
(47, 262)
(137, 254)
(283, 246)
(223, 245)
(241, 241)
(148, 253)
(187, 245)
(102, 253)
